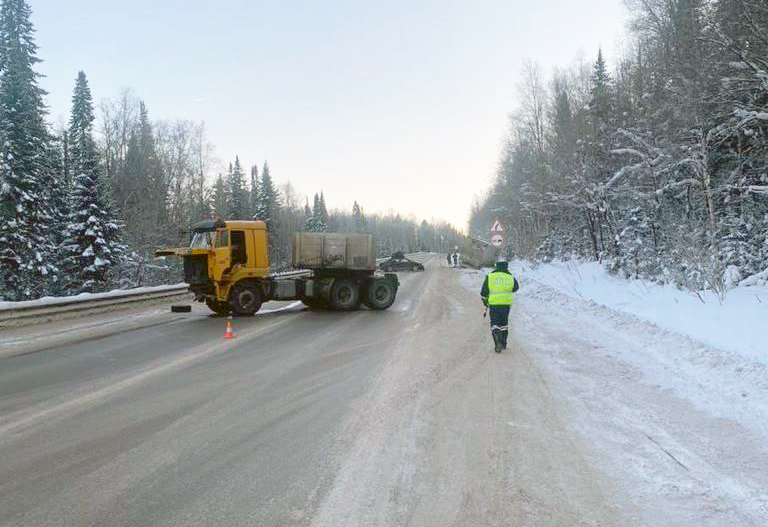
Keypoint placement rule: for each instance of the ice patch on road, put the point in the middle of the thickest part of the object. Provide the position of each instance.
(281, 308)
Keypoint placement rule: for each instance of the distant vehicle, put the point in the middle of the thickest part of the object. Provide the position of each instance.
(399, 262)
(478, 253)
(227, 266)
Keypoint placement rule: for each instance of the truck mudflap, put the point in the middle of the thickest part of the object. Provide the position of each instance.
(394, 278)
(380, 292)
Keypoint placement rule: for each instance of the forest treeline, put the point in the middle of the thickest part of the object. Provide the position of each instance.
(656, 165)
(84, 205)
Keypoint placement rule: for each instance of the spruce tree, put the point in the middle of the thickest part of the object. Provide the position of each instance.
(58, 195)
(91, 246)
(270, 200)
(140, 189)
(236, 202)
(156, 207)
(358, 220)
(83, 155)
(309, 222)
(255, 200)
(26, 223)
(318, 222)
(220, 197)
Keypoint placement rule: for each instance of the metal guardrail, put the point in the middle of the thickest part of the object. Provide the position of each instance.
(16, 315)
(19, 315)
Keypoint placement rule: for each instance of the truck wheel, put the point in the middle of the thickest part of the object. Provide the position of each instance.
(380, 294)
(220, 308)
(245, 299)
(345, 295)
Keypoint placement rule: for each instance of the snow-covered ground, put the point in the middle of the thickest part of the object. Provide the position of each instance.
(591, 417)
(682, 424)
(738, 323)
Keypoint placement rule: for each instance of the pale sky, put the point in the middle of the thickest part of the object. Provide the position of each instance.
(398, 104)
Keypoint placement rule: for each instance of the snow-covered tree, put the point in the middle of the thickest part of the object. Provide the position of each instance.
(91, 246)
(318, 220)
(26, 222)
(358, 218)
(220, 197)
(255, 200)
(657, 166)
(236, 195)
(269, 199)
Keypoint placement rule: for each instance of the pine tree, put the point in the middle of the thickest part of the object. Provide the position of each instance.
(322, 214)
(26, 247)
(59, 194)
(318, 221)
(309, 222)
(270, 200)
(91, 246)
(140, 190)
(255, 200)
(236, 202)
(156, 208)
(601, 104)
(220, 197)
(358, 219)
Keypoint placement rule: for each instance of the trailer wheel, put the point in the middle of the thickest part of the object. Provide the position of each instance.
(345, 295)
(245, 299)
(380, 293)
(220, 308)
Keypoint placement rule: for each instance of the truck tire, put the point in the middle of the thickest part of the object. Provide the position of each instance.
(245, 298)
(380, 293)
(345, 295)
(220, 308)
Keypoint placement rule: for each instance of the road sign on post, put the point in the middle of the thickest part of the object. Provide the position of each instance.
(497, 234)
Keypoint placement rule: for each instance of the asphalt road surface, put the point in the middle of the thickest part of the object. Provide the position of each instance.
(392, 418)
(174, 425)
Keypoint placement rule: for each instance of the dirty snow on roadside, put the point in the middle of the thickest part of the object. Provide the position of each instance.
(682, 425)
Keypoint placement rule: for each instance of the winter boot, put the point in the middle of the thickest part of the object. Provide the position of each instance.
(498, 346)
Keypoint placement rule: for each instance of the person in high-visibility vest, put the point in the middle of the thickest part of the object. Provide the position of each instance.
(497, 295)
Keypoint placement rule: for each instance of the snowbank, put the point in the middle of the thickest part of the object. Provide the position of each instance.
(738, 324)
(84, 297)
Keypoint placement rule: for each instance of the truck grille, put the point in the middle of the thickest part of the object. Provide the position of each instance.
(196, 269)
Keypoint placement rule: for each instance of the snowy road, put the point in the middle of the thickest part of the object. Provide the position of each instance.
(404, 417)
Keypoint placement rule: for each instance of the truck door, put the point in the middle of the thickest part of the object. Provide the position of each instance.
(221, 254)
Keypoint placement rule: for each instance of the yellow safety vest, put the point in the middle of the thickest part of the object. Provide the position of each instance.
(500, 287)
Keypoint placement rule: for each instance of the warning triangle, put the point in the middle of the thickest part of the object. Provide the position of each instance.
(497, 227)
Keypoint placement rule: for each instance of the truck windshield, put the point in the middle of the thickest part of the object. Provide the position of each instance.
(201, 240)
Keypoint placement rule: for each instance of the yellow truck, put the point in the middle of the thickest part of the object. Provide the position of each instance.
(227, 266)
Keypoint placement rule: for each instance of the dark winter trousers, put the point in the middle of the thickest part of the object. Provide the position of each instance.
(499, 324)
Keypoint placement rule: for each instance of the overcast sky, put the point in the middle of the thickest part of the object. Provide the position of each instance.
(398, 104)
